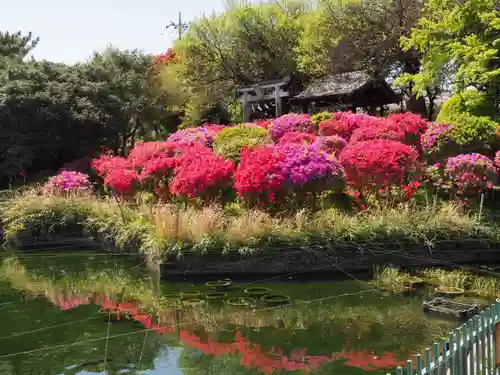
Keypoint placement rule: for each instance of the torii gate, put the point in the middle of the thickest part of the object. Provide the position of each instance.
(266, 91)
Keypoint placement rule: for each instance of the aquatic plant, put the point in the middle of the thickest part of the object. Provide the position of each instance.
(391, 279)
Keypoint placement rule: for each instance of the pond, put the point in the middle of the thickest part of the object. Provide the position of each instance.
(84, 314)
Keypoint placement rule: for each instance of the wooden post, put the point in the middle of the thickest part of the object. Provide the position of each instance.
(277, 99)
(246, 109)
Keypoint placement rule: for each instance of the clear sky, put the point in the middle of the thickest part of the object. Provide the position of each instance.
(70, 30)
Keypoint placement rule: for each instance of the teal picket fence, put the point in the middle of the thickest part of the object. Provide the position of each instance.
(470, 350)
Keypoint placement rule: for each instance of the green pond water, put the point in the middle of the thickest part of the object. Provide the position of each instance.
(86, 314)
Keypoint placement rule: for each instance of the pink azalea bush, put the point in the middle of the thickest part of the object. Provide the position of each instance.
(68, 182)
(470, 173)
(330, 144)
(291, 123)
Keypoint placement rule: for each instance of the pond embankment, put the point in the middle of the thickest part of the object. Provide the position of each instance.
(212, 241)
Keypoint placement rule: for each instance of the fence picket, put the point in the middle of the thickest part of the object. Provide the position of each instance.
(435, 362)
(419, 364)
(483, 343)
(477, 350)
(470, 350)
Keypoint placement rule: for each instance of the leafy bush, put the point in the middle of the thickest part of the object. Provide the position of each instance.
(321, 116)
(291, 123)
(470, 102)
(471, 173)
(376, 164)
(474, 133)
(229, 142)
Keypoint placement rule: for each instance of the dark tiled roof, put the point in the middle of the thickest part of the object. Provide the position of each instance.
(335, 84)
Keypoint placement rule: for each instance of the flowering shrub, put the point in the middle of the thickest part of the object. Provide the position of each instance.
(259, 176)
(304, 165)
(200, 173)
(378, 129)
(144, 151)
(376, 164)
(263, 123)
(435, 137)
(330, 144)
(230, 141)
(204, 135)
(319, 117)
(297, 138)
(291, 123)
(342, 124)
(412, 125)
(497, 160)
(68, 182)
(106, 163)
(122, 181)
(470, 173)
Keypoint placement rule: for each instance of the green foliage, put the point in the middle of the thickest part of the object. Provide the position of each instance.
(53, 113)
(470, 102)
(230, 141)
(357, 35)
(243, 45)
(474, 133)
(457, 39)
(16, 44)
(318, 117)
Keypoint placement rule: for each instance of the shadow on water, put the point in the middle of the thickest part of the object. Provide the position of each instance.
(87, 314)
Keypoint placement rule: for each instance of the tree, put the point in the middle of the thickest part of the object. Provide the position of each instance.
(125, 86)
(16, 44)
(459, 40)
(343, 37)
(54, 113)
(241, 46)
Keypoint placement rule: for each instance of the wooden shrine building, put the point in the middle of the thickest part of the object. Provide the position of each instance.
(345, 91)
(335, 92)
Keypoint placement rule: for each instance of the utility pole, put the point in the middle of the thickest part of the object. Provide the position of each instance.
(179, 26)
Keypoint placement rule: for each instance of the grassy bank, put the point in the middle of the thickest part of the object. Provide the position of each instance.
(161, 230)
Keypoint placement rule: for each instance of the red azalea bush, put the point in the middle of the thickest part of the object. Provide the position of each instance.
(259, 176)
(378, 164)
(297, 138)
(122, 181)
(377, 129)
(201, 174)
(343, 124)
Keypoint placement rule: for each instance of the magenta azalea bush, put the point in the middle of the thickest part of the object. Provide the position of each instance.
(68, 182)
(435, 136)
(306, 164)
(291, 123)
(470, 173)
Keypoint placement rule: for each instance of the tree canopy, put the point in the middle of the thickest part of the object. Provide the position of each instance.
(459, 40)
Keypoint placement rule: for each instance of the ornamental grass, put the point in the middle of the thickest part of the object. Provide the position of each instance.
(163, 230)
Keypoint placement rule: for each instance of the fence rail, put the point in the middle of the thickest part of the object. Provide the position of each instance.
(470, 350)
